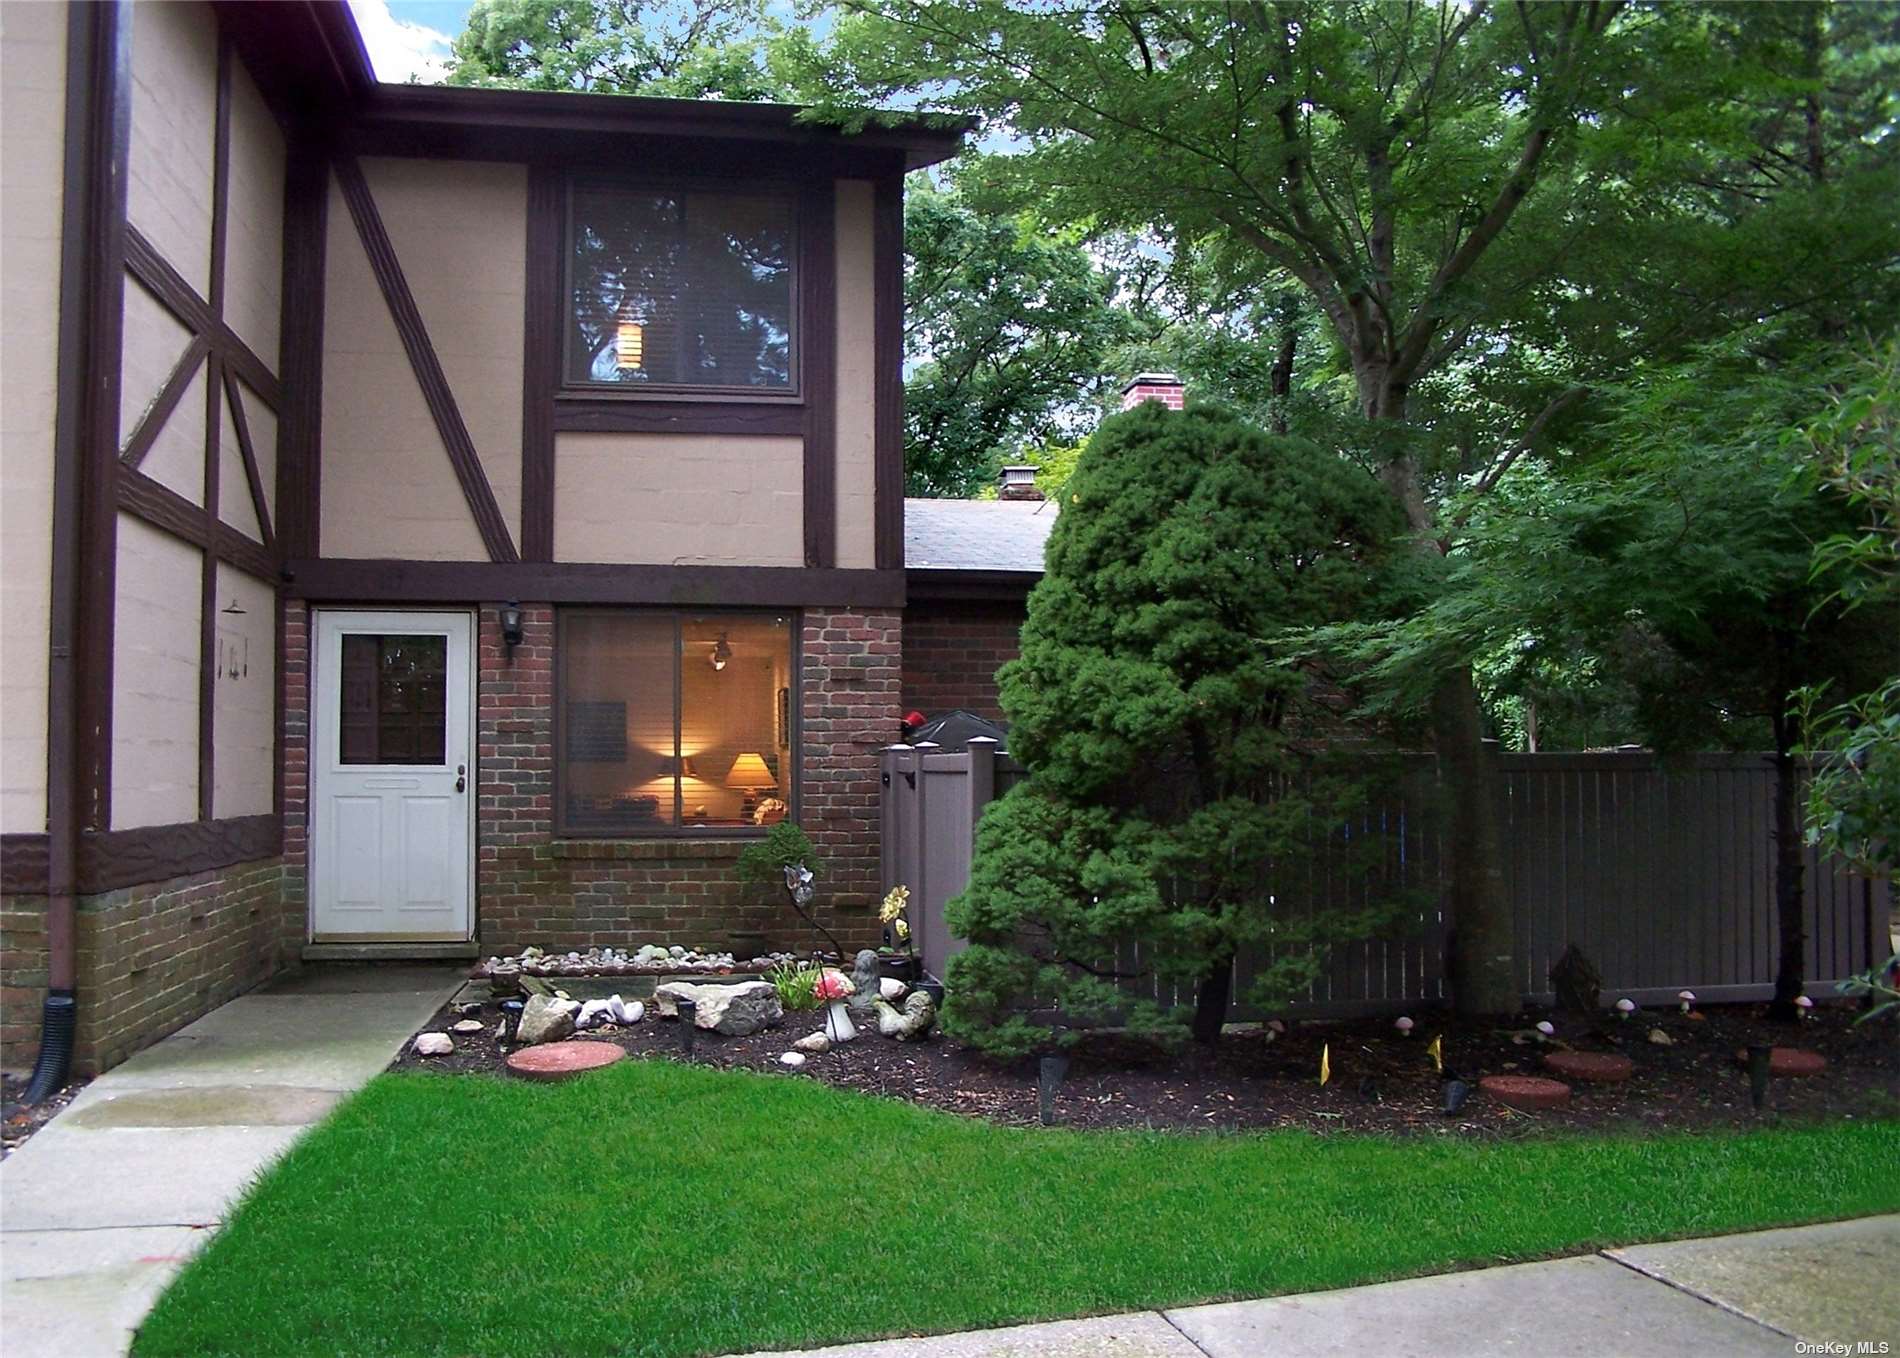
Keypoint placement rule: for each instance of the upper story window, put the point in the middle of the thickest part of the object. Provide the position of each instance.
(689, 292)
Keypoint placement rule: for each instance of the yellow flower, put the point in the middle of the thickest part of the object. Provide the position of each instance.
(903, 931)
(894, 904)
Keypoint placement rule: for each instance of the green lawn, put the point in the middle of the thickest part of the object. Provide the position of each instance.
(659, 1209)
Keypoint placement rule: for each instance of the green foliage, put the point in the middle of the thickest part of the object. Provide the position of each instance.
(796, 983)
(1879, 986)
(682, 48)
(1009, 323)
(765, 860)
(1160, 723)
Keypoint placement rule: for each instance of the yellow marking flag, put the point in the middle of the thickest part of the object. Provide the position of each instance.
(1325, 1064)
(1437, 1052)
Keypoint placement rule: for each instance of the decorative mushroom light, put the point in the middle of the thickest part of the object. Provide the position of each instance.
(1688, 999)
(1625, 1007)
(1545, 1028)
(1404, 1025)
(1805, 1005)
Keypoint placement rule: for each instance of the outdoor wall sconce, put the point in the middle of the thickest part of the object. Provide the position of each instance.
(721, 653)
(511, 633)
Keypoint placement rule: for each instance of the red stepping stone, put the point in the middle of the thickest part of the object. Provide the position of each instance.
(1790, 1062)
(1527, 1093)
(1590, 1067)
(562, 1060)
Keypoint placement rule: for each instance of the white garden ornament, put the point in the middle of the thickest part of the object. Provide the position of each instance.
(1805, 1005)
(1404, 1025)
(1626, 1006)
(1688, 999)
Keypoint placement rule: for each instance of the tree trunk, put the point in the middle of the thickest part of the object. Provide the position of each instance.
(1483, 979)
(1210, 1001)
(1790, 874)
(1483, 932)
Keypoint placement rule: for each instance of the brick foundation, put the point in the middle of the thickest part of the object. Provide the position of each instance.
(952, 651)
(151, 958)
(574, 893)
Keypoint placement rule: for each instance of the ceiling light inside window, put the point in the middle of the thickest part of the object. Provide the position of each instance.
(721, 653)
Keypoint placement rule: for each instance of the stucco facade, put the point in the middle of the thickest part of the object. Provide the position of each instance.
(311, 330)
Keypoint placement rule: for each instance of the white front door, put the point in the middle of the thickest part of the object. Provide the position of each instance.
(392, 777)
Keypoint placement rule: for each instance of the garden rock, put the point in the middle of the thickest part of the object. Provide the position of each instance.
(733, 1010)
(815, 1044)
(467, 1025)
(545, 1020)
(434, 1044)
(792, 1059)
(1658, 1038)
(912, 1021)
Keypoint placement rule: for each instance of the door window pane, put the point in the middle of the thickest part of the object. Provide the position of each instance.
(671, 721)
(395, 699)
(671, 289)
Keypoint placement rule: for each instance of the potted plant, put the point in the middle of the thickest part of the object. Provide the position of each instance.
(897, 958)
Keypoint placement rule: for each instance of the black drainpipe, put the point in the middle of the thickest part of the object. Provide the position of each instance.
(97, 48)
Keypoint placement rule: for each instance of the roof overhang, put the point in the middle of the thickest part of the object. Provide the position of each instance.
(927, 585)
(310, 54)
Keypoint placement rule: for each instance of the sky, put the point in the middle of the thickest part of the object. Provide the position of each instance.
(409, 38)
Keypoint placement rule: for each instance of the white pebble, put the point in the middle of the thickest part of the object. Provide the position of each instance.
(792, 1059)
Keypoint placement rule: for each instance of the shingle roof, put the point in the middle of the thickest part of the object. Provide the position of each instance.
(976, 535)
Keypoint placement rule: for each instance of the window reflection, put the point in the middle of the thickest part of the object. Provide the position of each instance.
(672, 289)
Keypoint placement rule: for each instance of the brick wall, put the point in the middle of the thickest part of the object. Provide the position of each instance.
(23, 977)
(952, 652)
(576, 893)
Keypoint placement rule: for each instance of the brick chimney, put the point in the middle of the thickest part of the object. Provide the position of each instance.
(1017, 483)
(1166, 388)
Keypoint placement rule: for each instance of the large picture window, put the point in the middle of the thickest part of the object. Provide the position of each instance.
(680, 291)
(672, 722)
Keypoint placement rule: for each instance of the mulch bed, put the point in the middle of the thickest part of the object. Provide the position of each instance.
(1380, 1081)
(18, 1121)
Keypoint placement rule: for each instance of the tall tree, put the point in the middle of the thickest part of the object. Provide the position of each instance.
(1008, 324)
(684, 48)
(1469, 191)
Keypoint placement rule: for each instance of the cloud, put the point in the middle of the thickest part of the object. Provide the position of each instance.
(400, 50)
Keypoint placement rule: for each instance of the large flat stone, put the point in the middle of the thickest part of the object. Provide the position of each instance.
(1568, 1308)
(70, 1178)
(1818, 1283)
(81, 1293)
(1143, 1334)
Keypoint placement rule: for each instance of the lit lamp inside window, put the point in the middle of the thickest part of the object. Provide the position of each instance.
(750, 773)
(630, 343)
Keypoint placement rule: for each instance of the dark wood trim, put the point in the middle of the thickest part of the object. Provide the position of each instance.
(423, 362)
(165, 283)
(931, 586)
(818, 324)
(887, 347)
(253, 478)
(221, 172)
(606, 415)
(340, 581)
(300, 422)
(164, 508)
(541, 360)
(99, 83)
(208, 591)
(152, 423)
(158, 853)
(25, 864)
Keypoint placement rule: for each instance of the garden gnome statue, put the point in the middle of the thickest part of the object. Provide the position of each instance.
(864, 978)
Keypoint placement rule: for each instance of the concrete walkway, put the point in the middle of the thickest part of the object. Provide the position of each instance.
(108, 1200)
(1736, 1296)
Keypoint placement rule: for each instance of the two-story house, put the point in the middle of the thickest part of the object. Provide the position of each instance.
(436, 520)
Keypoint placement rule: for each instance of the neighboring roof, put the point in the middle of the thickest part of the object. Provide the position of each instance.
(977, 535)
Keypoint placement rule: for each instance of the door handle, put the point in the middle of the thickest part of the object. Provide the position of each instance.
(461, 777)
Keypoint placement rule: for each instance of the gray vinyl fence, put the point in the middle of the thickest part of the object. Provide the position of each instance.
(1662, 875)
